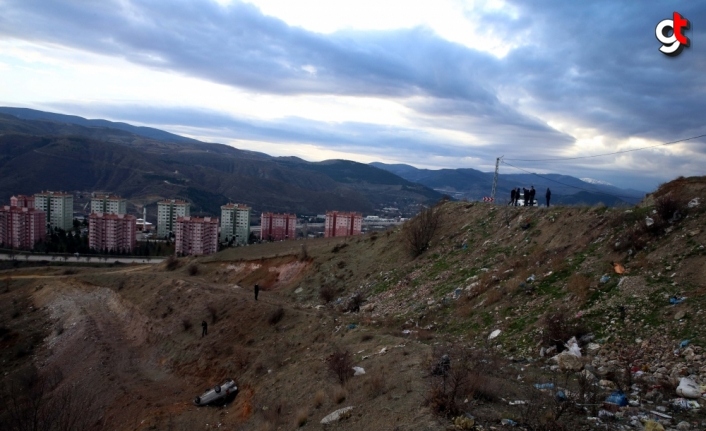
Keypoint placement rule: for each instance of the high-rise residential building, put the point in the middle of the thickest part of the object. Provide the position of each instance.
(22, 227)
(235, 223)
(108, 204)
(22, 201)
(167, 213)
(342, 224)
(112, 232)
(278, 227)
(196, 235)
(59, 208)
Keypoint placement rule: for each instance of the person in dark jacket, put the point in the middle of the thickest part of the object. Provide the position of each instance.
(548, 195)
(204, 328)
(512, 197)
(525, 196)
(257, 290)
(517, 196)
(532, 192)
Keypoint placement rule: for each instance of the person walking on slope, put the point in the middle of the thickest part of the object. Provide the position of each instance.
(512, 197)
(517, 196)
(257, 290)
(532, 192)
(548, 195)
(204, 328)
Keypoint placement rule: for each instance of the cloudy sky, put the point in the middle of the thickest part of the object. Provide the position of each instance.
(434, 83)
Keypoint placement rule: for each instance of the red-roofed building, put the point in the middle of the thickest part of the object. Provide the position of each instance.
(342, 224)
(278, 227)
(196, 235)
(22, 227)
(112, 232)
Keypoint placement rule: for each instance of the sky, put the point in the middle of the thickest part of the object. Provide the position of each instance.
(434, 84)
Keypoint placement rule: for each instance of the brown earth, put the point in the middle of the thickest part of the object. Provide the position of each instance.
(128, 340)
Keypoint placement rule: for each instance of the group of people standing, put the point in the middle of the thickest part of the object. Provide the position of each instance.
(527, 196)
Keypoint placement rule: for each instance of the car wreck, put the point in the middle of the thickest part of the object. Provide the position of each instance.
(218, 394)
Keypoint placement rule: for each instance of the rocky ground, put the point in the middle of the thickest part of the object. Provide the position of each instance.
(501, 291)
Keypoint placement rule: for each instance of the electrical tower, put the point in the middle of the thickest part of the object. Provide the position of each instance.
(495, 178)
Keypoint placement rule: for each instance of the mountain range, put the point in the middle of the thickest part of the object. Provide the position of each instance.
(48, 151)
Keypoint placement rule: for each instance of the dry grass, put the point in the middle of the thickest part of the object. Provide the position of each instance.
(339, 394)
(302, 417)
(377, 383)
(319, 398)
(579, 285)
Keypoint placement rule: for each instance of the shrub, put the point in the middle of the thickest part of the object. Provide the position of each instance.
(377, 384)
(668, 207)
(302, 417)
(339, 247)
(340, 364)
(419, 231)
(327, 293)
(186, 324)
(319, 398)
(558, 329)
(355, 302)
(193, 269)
(303, 254)
(275, 316)
(172, 263)
(340, 395)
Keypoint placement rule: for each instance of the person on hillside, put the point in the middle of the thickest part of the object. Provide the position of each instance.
(204, 328)
(257, 291)
(517, 196)
(525, 196)
(512, 197)
(548, 195)
(532, 192)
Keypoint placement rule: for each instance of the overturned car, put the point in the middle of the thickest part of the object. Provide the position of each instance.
(219, 394)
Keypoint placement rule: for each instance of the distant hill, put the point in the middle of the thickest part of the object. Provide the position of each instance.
(146, 165)
(474, 184)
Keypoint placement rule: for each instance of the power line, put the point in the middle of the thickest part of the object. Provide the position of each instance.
(607, 154)
(568, 185)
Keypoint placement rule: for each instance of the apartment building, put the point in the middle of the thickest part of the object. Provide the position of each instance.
(196, 235)
(167, 213)
(112, 232)
(108, 204)
(342, 224)
(22, 201)
(278, 227)
(21, 227)
(235, 223)
(58, 207)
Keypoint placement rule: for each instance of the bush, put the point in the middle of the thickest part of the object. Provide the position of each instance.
(303, 254)
(558, 329)
(193, 269)
(668, 207)
(186, 324)
(275, 316)
(355, 302)
(326, 294)
(172, 263)
(340, 364)
(419, 231)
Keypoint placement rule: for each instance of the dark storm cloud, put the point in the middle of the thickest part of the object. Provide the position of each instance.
(589, 64)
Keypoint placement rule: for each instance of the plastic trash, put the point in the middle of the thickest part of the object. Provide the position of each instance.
(674, 300)
(359, 371)
(573, 347)
(509, 422)
(684, 343)
(618, 398)
(531, 278)
(618, 268)
(653, 426)
(494, 334)
(649, 221)
(544, 385)
(693, 203)
(561, 396)
(605, 278)
(688, 388)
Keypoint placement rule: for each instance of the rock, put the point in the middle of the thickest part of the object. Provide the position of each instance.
(680, 315)
(593, 348)
(338, 415)
(368, 307)
(683, 426)
(688, 388)
(649, 221)
(494, 334)
(359, 371)
(568, 361)
(299, 290)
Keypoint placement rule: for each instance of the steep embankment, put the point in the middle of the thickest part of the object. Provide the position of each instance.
(535, 274)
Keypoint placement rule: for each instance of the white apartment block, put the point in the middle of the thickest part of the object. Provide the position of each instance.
(167, 213)
(235, 223)
(59, 208)
(108, 204)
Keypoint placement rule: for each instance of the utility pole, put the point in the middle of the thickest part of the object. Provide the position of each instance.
(495, 178)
